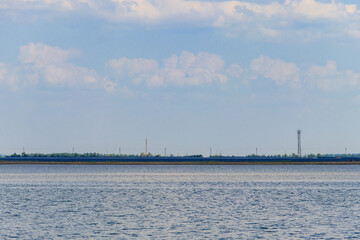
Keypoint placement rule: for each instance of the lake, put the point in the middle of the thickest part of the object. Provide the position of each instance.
(179, 202)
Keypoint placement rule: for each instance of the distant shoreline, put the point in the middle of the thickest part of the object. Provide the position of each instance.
(184, 160)
(176, 163)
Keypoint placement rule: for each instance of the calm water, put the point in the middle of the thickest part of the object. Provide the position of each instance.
(179, 202)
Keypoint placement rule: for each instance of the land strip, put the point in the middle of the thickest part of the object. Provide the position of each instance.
(181, 163)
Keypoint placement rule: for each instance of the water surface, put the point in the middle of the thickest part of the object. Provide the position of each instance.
(179, 202)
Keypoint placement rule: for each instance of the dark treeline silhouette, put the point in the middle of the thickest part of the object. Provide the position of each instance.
(94, 154)
(97, 155)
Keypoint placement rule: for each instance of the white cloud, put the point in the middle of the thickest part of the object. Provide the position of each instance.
(41, 55)
(186, 69)
(329, 78)
(134, 10)
(68, 74)
(43, 64)
(190, 69)
(49, 65)
(272, 19)
(238, 73)
(235, 71)
(7, 76)
(326, 78)
(313, 9)
(293, 20)
(110, 86)
(277, 70)
(137, 69)
(58, 5)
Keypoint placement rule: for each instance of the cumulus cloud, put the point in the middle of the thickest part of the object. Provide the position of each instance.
(185, 69)
(41, 55)
(277, 70)
(326, 78)
(313, 9)
(50, 65)
(329, 78)
(235, 71)
(272, 19)
(137, 69)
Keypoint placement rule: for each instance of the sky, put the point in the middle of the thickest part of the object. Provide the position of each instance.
(233, 76)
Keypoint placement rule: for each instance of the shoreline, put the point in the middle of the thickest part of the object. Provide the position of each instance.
(178, 163)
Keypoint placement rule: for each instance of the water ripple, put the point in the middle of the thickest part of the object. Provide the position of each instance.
(207, 202)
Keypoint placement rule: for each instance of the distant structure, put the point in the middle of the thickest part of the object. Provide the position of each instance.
(299, 142)
(145, 146)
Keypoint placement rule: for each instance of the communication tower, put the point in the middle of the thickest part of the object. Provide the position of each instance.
(146, 147)
(299, 142)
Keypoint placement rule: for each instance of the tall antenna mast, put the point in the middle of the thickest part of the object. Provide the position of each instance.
(299, 142)
(145, 146)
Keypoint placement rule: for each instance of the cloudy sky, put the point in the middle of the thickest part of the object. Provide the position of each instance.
(187, 75)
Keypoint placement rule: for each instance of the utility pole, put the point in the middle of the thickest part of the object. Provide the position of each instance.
(210, 152)
(165, 152)
(256, 151)
(119, 151)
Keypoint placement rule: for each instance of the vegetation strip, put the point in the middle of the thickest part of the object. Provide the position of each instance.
(96, 159)
(180, 163)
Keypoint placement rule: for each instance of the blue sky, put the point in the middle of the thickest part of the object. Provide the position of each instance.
(187, 75)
